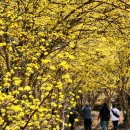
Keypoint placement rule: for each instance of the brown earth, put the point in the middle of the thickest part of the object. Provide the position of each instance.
(95, 125)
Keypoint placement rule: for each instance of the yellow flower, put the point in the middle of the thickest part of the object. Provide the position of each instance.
(52, 67)
(53, 104)
(6, 84)
(72, 44)
(45, 61)
(79, 91)
(27, 88)
(76, 120)
(1, 33)
(60, 106)
(77, 97)
(2, 44)
(20, 88)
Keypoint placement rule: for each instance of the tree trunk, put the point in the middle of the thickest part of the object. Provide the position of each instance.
(125, 108)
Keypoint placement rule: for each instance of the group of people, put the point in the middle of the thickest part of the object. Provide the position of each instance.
(105, 114)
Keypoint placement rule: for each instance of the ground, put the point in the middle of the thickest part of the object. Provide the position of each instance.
(79, 125)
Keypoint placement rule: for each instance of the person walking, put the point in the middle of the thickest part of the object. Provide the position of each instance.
(87, 117)
(104, 116)
(72, 116)
(115, 115)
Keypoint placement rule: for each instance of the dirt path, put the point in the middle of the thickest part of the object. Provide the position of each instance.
(96, 126)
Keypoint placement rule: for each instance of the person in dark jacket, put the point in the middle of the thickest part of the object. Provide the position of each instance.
(104, 116)
(87, 117)
(73, 115)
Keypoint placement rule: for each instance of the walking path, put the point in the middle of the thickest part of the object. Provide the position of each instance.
(80, 124)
